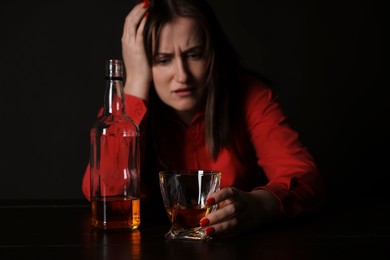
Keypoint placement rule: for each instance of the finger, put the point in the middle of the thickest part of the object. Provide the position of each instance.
(226, 227)
(133, 19)
(234, 225)
(222, 195)
(145, 3)
(220, 215)
(140, 30)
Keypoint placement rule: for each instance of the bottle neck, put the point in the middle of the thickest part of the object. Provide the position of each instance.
(114, 101)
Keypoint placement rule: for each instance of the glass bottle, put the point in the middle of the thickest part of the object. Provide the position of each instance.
(115, 159)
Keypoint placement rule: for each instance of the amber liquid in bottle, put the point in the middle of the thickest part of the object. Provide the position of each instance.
(116, 212)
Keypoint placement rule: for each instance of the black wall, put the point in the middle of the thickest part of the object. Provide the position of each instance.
(325, 59)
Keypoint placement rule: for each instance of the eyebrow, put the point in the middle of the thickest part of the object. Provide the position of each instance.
(195, 48)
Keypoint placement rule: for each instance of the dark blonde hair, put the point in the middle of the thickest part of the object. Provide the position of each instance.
(221, 65)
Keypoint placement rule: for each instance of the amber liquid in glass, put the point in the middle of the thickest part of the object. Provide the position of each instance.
(187, 218)
(115, 213)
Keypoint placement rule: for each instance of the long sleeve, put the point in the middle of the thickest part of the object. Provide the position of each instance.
(292, 174)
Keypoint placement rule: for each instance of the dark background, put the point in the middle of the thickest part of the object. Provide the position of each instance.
(324, 57)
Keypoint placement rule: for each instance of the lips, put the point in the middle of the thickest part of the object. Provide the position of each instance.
(184, 91)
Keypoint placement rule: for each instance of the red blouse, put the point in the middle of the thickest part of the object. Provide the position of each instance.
(274, 159)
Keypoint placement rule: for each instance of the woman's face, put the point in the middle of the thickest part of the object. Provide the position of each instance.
(179, 66)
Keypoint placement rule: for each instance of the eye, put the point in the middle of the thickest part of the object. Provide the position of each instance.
(162, 60)
(195, 55)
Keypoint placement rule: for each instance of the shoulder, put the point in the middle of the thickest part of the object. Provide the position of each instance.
(255, 88)
(259, 101)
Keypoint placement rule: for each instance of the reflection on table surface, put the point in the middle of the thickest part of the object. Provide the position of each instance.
(62, 231)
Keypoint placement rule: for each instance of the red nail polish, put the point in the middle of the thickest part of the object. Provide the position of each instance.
(210, 231)
(210, 201)
(204, 222)
(146, 3)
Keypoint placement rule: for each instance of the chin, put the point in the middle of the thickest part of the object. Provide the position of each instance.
(183, 109)
(184, 106)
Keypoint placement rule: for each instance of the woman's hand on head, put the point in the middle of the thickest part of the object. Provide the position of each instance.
(138, 69)
(239, 211)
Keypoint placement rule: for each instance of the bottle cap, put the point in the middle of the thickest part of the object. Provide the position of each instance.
(114, 68)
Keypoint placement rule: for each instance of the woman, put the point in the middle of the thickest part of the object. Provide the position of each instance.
(198, 110)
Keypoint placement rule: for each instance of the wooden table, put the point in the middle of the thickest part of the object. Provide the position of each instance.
(60, 230)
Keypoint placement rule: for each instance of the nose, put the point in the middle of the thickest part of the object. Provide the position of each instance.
(181, 73)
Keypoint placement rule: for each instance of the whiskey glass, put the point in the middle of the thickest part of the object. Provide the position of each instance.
(184, 194)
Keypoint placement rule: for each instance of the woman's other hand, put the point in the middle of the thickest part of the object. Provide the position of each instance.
(138, 69)
(240, 211)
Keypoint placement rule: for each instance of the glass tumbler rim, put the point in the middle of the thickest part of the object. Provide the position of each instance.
(190, 172)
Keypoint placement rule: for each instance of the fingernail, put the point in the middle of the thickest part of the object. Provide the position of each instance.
(146, 3)
(210, 231)
(210, 201)
(204, 222)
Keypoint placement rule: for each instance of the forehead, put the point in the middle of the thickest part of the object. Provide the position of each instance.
(181, 33)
